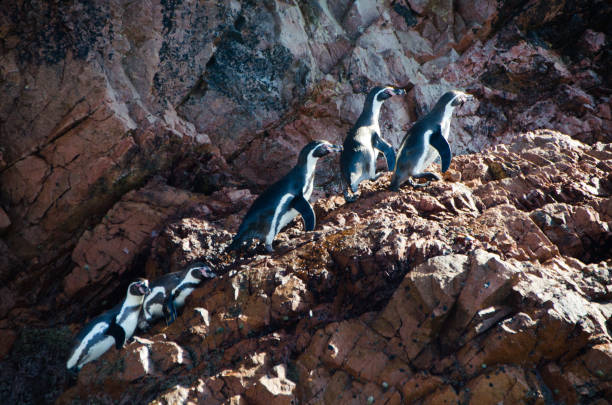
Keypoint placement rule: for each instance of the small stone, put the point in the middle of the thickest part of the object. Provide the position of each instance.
(385, 384)
(370, 399)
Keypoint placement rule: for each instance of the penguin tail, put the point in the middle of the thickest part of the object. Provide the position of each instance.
(395, 183)
(73, 373)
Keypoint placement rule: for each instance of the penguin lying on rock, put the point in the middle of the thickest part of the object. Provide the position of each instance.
(363, 142)
(414, 154)
(113, 327)
(168, 294)
(284, 200)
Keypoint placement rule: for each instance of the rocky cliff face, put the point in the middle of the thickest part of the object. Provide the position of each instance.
(134, 136)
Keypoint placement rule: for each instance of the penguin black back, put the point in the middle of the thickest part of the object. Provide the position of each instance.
(284, 200)
(169, 291)
(113, 327)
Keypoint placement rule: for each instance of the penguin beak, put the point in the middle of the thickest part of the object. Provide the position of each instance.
(329, 148)
(399, 92)
(207, 273)
(462, 98)
(466, 97)
(143, 289)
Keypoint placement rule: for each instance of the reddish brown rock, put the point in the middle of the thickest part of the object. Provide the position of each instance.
(276, 389)
(136, 363)
(598, 361)
(420, 386)
(109, 249)
(5, 221)
(501, 385)
(8, 338)
(213, 101)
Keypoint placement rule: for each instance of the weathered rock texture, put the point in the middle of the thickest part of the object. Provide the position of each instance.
(491, 286)
(134, 135)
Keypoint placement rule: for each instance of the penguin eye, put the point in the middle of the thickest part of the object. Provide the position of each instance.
(319, 151)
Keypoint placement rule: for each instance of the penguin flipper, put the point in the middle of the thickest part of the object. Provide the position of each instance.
(443, 148)
(117, 333)
(385, 148)
(170, 310)
(306, 211)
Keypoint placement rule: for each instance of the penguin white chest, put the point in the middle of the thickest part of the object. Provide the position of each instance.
(427, 154)
(364, 137)
(446, 121)
(311, 165)
(308, 187)
(369, 153)
(280, 218)
(98, 349)
(285, 219)
(153, 307)
(92, 346)
(129, 324)
(179, 301)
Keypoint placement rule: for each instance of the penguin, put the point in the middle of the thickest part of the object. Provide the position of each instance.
(113, 327)
(168, 294)
(284, 200)
(414, 154)
(363, 142)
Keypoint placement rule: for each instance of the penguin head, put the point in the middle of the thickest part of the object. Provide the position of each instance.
(460, 98)
(140, 287)
(455, 98)
(200, 272)
(317, 149)
(381, 93)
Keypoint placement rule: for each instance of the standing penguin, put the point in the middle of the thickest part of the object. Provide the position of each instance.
(284, 200)
(168, 293)
(113, 327)
(363, 142)
(415, 155)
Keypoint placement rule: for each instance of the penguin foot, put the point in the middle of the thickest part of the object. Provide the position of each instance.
(418, 185)
(427, 175)
(377, 176)
(170, 312)
(73, 374)
(350, 198)
(170, 319)
(269, 248)
(144, 326)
